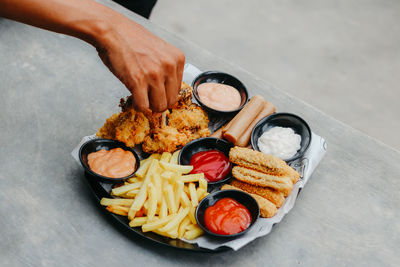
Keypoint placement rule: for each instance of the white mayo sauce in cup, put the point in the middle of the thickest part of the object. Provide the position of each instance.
(279, 142)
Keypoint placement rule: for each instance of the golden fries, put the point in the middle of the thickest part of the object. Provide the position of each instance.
(176, 168)
(159, 198)
(151, 212)
(144, 166)
(120, 210)
(116, 201)
(157, 223)
(138, 221)
(174, 158)
(193, 195)
(192, 177)
(192, 234)
(125, 188)
(165, 157)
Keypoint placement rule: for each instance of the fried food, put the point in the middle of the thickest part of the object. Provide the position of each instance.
(267, 208)
(159, 132)
(184, 96)
(261, 174)
(161, 205)
(270, 194)
(191, 118)
(166, 139)
(130, 127)
(185, 124)
(280, 183)
(261, 162)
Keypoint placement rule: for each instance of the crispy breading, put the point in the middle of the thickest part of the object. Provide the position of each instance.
(184, 124)
(129, 127)
(190, 117)
(159, 132)
(185, 96)
(280, 183)
(262, 162)
(267, 208)
(157, 120)
(268, 193)
(166, 139)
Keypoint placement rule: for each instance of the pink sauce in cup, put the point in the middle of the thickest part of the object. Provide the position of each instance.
(219, 96)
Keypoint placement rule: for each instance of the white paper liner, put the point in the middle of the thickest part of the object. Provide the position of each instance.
(305, 166)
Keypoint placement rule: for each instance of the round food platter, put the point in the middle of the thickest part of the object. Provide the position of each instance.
(247, 166)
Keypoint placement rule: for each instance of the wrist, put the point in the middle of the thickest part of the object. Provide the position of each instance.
(95, 29)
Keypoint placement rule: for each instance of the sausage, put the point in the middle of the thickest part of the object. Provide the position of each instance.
(218, 133)
(243, 119)
(244, 139)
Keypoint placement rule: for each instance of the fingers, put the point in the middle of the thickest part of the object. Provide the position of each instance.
(180, 68)
(157, 96)
(156, 85)
(173, 79)
(139, 92)
(172, 90)
(140, 99)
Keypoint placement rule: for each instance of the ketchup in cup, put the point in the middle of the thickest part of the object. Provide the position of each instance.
(227, 217)
(213, 163)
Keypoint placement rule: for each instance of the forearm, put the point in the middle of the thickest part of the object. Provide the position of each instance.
(84, 19)
(149, 67)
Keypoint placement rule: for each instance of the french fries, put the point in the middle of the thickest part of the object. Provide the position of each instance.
(165, 157)
(174, 158)
(162, 197)
(184, 169)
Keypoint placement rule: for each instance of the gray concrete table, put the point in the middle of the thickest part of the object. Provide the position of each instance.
(54, 90)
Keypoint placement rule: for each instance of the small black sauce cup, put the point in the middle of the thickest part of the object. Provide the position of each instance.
(205, 144)
(222, 78)
(98, 144)
(286, 120)
(242, 197)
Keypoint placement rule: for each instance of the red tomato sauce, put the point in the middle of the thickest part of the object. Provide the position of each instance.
(227, 217)
(213, 163)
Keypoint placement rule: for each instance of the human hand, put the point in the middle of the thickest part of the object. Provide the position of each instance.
(149, 67)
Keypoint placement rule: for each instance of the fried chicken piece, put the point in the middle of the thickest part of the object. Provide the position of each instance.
(108, 129)
(184, 98)
(199, 134)
(157, 120)
(129, 127)
(183, 125)
(166, 139)
(190, 117)
(159, 132)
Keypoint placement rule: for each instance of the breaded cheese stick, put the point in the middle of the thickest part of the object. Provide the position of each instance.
(293, 174)
(268, 193)
(281, 183)
(267, 208)
(261, 162)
